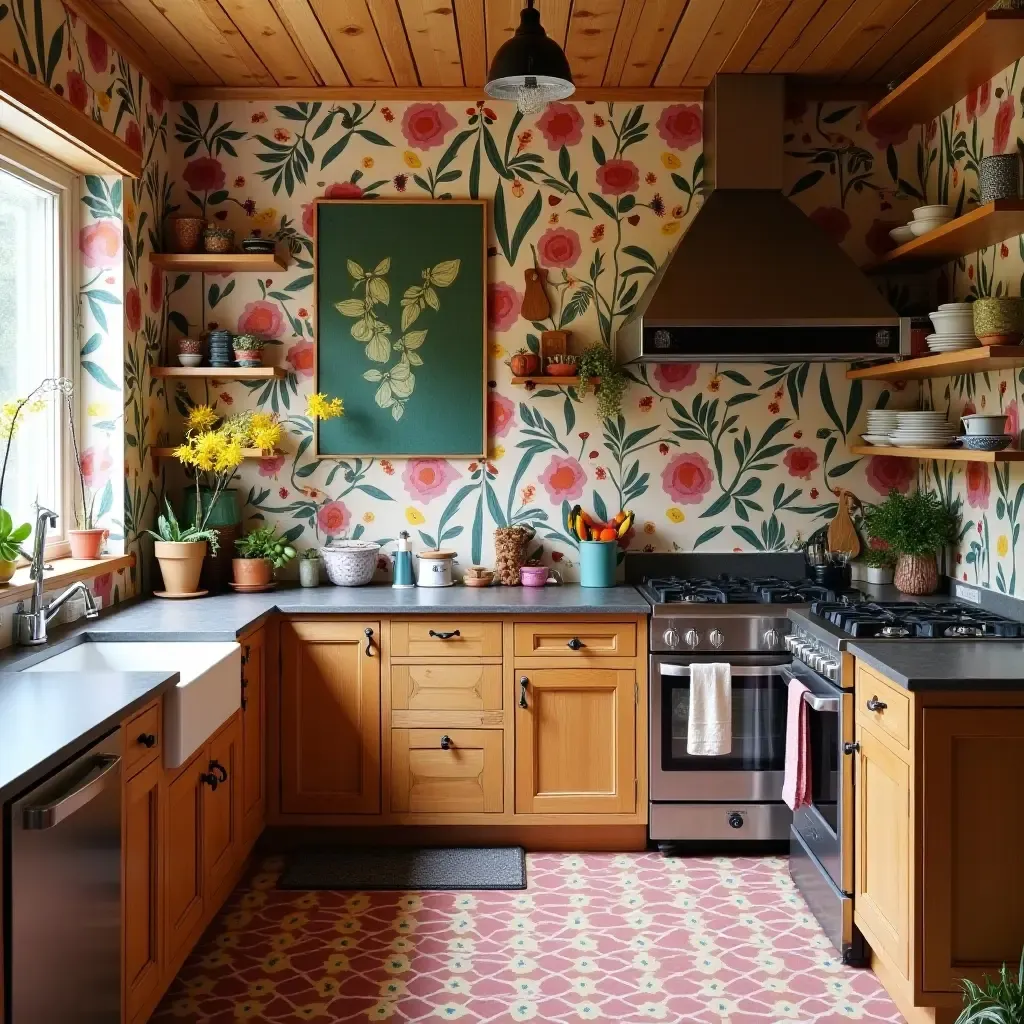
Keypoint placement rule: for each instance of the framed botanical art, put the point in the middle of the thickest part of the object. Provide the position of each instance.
(401, 326)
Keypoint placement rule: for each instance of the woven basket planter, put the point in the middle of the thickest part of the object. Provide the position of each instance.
(350, 563)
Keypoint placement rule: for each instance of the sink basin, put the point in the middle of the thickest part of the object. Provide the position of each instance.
(207, 695)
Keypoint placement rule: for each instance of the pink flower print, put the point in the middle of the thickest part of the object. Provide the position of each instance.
(674, 376)
(100, 243)
(425, 125)
(979, 485)
(561, 125)
(681, 125)
(272, 465)
(500, 414)
(503, 305)
(687, 478)
(617, 177)
(563, 479)
(559, 247)
(333, 518)
(886, 473)
(261, 317)
(801, 462)
(1004, 118)
(426, 479)
(300, 358)
(96, 465)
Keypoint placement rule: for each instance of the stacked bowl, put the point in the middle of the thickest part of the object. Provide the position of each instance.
(881, 423)
(954, 328)
(922, 429)
(928, 218)
(221, 352)
(985, 432)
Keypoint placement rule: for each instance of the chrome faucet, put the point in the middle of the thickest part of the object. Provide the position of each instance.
(30, 626)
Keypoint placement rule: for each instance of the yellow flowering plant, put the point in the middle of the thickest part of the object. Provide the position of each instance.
(320, 407)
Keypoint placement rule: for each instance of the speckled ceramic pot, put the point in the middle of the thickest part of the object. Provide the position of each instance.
(218, 240)
(916, 574)
(999, 321)
(999, 177)
(186, 232)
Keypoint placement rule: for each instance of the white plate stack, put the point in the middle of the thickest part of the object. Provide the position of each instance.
(881, 423)
(954, 328)
(923, 429)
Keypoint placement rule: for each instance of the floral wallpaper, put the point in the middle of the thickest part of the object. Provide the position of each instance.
(989, 120)
(122, 309)
(712, 457)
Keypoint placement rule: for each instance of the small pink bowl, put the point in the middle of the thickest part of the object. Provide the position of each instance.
(537, 575)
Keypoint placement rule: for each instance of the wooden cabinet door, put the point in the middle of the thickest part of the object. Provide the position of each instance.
(143, 879)
(446, 771)
(330, 718)
(183, 854)
(222, 841)
(882, 876)
(252, 786)
(972, 814)
(575, 743)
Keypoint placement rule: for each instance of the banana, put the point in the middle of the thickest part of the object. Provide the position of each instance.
(574, 513)
(626, 524)
(581, 528)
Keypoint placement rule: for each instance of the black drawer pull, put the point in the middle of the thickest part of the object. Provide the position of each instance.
(148, 740)
(444, 636)
(368, 633)
(446, 743)
(522, 691)
(576, 644)
(874, 704)
(210, 780)
(219, 770)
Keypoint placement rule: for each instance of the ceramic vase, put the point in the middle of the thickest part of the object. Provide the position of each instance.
(218, 240)
(181, 564)
(309, 572)
(252, 572)
(86, 544)
(999, 177)
(916, 574)
(998, 320)
(186, 232)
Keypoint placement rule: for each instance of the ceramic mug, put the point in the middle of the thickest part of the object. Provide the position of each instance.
(538, 575)
(984, 425)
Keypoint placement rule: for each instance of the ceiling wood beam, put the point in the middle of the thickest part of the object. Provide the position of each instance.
(258, 24)
(818, 28)
(621, 94)
(469, 19)
(392, 35)
(304, 28)
(650, 41)
(854, 34)
(689, 36)
(867, 68)
(624, 33)
(732, 17)
(430, 28)
(754, 33)
(592, 24)
(502, 22)
(786, 32)
(353, 37)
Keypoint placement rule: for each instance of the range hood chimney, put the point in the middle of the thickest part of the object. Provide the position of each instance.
(753, 278)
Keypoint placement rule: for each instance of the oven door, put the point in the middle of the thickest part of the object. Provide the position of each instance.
(826, 824)
(753, 770)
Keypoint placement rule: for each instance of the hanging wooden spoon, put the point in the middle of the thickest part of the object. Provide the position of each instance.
(842, 535)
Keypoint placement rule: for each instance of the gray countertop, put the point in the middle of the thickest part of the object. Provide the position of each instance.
(965, 665)
(47, 717)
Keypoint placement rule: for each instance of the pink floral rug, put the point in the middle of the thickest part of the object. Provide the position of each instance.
(613, 937)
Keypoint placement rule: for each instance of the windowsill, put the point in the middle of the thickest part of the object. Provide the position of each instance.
(65, 571)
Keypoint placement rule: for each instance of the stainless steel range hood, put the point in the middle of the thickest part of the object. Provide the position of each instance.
(753, 278)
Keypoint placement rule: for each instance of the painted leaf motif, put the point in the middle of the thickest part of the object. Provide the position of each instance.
(383, 267)
(430, 296)
(384, 398)
(378, 349)
(362, 330)
(444, 273)
(355, 270)
(411, 340)
(397, 411)
(409, 315)
(373, 375)
(377, 290)
(351, 307)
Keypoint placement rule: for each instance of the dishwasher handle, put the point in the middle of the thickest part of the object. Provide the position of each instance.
(95, 781)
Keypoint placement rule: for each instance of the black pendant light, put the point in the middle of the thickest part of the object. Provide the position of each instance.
(530, 69)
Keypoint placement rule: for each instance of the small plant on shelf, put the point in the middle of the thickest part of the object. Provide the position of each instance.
(561, 366)
(248, 349)
(998, 1002)
(598, 361)
(259, 553)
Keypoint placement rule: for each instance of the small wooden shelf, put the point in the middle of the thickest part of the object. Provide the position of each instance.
(945, 364)
(540, 379)
(222, 372)
(248, 453)
(221, 263)
(989, 44)
(949, 454)
(979, 228)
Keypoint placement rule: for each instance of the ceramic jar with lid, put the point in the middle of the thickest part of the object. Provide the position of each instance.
(435, 568)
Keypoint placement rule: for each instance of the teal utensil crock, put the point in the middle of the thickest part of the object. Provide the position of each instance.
(597, 563)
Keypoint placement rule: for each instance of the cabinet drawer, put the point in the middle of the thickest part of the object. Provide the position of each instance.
(575, 639)
(431, 776)
(446, 638)
(446, 687)
(142, 739)
(892, 719)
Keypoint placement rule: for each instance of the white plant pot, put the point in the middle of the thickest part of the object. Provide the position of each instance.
(879, 576)
(309, 572)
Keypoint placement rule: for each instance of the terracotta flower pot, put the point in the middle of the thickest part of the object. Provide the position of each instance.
(87, 543)
(249, 357)
(916, 574)
(6, 571)
(186, 232)
(252, 572)
(180, 564)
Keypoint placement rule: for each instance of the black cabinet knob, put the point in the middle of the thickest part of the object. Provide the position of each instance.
(147, 739)
(523, 682)
(219, 770)
(576, 644)
(446, 743)
(851, 748)
(209, 779)
(443, 636)
(874, 704)
(735, 820)
(368, 633)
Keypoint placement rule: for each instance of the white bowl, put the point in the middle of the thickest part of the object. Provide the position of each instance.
(922, 227)
(882, 439)
(902, 234)
(947, 307)
(190, 358)
(934, 212)
(953, 321)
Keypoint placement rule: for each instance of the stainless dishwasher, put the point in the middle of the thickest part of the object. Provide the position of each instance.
(64, 891)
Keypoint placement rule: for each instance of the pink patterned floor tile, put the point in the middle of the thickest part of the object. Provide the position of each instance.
(625, 938)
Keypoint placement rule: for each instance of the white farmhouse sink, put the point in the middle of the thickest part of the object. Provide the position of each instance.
(208, 693)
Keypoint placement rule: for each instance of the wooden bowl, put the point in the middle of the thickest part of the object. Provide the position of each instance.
(561, 370)
(478, 581)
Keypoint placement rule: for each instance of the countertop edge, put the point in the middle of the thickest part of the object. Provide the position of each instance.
(874, 656)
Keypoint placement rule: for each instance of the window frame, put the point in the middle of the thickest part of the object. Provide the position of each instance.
(64, 184)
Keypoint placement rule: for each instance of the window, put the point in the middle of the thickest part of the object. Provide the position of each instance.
(37, 208)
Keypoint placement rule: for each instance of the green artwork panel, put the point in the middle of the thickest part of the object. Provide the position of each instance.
(401, 326)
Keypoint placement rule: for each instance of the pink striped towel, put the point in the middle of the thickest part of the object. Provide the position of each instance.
(796, 783)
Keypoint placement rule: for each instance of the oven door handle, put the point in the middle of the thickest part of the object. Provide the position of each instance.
(736, 670)
(821, 703)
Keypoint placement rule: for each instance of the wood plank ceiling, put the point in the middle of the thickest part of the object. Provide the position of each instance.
(257, 48)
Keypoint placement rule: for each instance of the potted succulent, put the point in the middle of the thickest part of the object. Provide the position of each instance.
(597, 368)
(259, 554)
(561, 366)
(248, 349)
(998, 1002)
(309, 568)
(524, 363)
(11, 539)
(180, 552)
(880, 562)
(914, 527)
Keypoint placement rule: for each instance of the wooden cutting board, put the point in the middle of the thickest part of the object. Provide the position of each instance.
(842, 536)
(535, 306)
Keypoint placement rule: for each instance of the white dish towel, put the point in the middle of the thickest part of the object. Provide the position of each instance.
(709, 730)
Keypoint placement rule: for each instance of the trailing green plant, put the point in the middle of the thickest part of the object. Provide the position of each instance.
(169, 529)
(879, 558)
(11, 537)
(598, 361)
(264, 542)
(998, 1002)
(912, 524)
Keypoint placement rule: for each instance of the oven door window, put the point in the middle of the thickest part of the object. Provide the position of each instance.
(758, 725)
(824, 757)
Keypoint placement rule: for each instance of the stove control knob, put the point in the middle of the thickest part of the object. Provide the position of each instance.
(792, 639)
(671, 637)
(717, 638)
(692, 637)
(831, 671)
(735, 820)
(771, 638)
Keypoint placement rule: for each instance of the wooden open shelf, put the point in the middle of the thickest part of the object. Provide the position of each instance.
(950, 454)
(541, 379)
(222, 372)
(981, 227)
(945, 364)
(221, 263)
(989, 44)
(248, 453)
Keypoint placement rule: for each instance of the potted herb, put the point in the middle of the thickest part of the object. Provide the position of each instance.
(309, 568)
(524, 363)
(87, 538)
(259, 554)
(248, 349)
(880, 563)
(598, 362)
(914, 526)
(999, 1002)
(180, 552)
